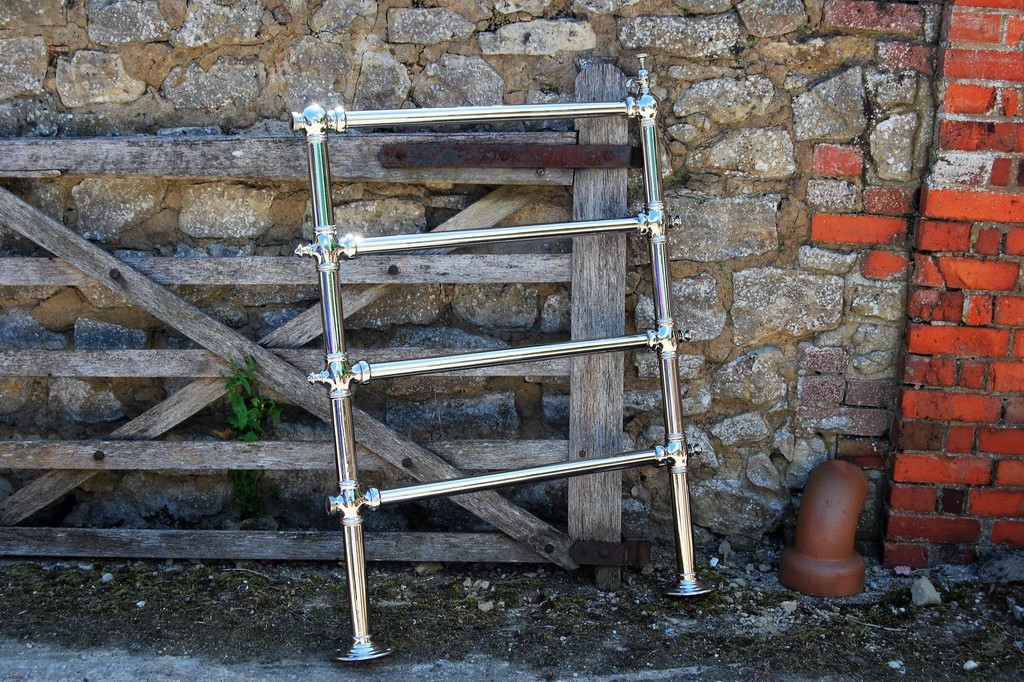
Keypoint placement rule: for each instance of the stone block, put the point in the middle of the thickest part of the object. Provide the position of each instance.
(703, 37)
(225, 211)
(315, 70)
(538, 7)
(20, 331)
(725, 507)
(427, 26)
(727, 100)
(98, 335)
(851, 421)
(498, 306)
(108, 206)
(756, 152)
(826, 359)
(78, 401)
(890, 90)
(37, 12)
(383, 82)
(378, 217)
(209, 23)
(880, 393)
(23, 63)
(807, 454)
(228, 83)
(14, 394)
(773, 303)
(892, 147)
(451, 338)
(755, 377)
(458, 80)
(648, 366)
(490, 416)
(749, 427)
(696, 307)
(762, 473)
(832, 110)
(555, 408)
(767, 18)
(555, 313)
(719, 228)
(881, 300)
(821, 388)
(541, 37)
(122, 22)
(91, 77)
(838, 196)
(825, 260)
(336, 16)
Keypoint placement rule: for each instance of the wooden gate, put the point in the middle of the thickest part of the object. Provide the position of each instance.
(596, 270)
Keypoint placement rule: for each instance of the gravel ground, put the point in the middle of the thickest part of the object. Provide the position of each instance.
(77, 620)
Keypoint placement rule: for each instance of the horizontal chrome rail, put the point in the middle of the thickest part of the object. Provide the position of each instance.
(364, 372)
(353, 246)
(341, 120)
(472, 484)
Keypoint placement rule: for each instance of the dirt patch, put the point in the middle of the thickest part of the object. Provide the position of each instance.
(536, 621)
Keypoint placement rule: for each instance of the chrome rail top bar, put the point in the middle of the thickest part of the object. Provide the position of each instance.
(352, 245)
(364, 372)
(341, 120)
(472, 484)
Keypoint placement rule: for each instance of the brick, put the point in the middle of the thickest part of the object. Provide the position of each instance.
(975, 273)
(853, 421)
(912, 498)
(969, 99)
(1018, 345)
(1010, 100)
(933, 528)
(972, 375)
(1000, 207)
(884, 265)
(1015, 240)
(983, 64)
(1014, 412)
(1010, 472)
(1008, 376)
(989, 241)
(974, 136)
(1001, 441)
(821, 388)
(866, 453)
(1014, 32)
(934, 235)
(897, 56)
(929, 305)
(966, 341)
(990, 502)
(1009, 311)
(895, 18)
(952, 501)
(960, 407)
(927, 371)
(905, 554)
(838, 160)
(926, 272)
(939, 468)
(858, 229)
(960, 440)
(1008, 533)
(975, 27)
(889, 200)
(922, 435)
(997, 4)
(877, 393)
(826, 359)
(978, 310)
(1001, 169)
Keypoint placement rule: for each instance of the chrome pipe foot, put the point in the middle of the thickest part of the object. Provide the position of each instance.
(363, 651)
(689, 587)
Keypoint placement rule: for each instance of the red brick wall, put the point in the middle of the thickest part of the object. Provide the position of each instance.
(957, 478)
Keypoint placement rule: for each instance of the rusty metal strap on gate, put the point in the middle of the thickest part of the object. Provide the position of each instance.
(628, 553)
(468, 155)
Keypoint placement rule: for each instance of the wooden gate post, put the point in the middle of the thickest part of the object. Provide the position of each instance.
(598, 291)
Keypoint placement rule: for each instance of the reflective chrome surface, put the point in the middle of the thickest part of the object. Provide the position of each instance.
(340, 374)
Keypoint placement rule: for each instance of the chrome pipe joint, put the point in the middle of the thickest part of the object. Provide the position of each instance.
(350, 501)
(324, 247)
(640, 103)
(339, 375)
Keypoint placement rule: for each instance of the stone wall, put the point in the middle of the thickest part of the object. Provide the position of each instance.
(796, 136)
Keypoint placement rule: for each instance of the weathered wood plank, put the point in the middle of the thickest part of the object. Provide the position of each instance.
(288, 270)
(137, 543)
(273, 372)
(203, 363)
(211, 455)
(353, 158)
(598, 289)
(494, 207)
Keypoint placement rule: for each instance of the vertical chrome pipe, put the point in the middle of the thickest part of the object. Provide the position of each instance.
(645, 108)
(313, 121)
